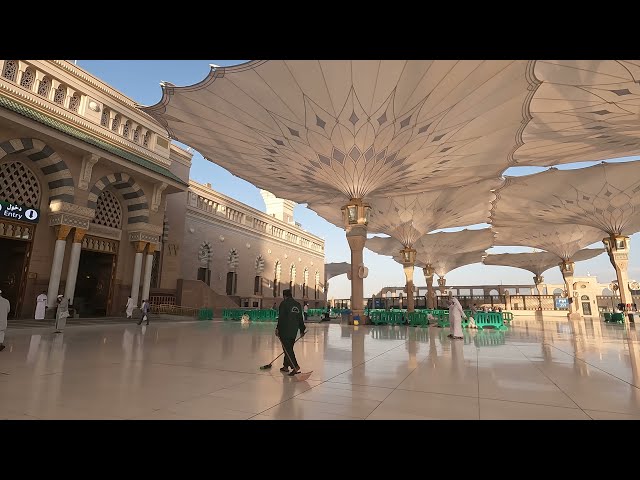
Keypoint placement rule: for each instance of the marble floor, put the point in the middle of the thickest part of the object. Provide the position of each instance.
(551, 369)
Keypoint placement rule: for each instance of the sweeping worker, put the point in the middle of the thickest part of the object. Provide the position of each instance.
(290, 320)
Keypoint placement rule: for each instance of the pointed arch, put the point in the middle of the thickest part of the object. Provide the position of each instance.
(137, 205)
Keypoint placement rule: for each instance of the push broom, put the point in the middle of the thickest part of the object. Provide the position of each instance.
(270, 364)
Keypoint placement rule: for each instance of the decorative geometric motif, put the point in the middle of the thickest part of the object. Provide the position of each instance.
(115, 123)
(259, 264)
(604, 196)
(11, 230)
(205, 252)
(28, 77)
(54, 169)
(74, 102)
(60, 94)
(126, 129)
(44, 87)
(136, 135)
(145, 140)
(10, 70)
(135, 199)
(104, 120)
(233, 259)
(19, 185)
(356, 127)
(108, 211)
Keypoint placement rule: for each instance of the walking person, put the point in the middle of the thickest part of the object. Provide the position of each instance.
(305, 310)
(62, 313)
(5, 308)
(129, 307)
(145, 312)
(41, 306)
(456, 313)
(290, 320)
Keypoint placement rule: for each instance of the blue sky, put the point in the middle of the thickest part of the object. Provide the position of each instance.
(140, 79)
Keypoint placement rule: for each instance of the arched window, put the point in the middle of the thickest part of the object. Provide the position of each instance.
(28, 78)
(108, 211)
(146, 139)
(136, 134)
(585, 298)
(317, 287)
(115, 124)
(257, 285)
(104, 121)
(126, 129)
(292, 279)
(10, 70)
(74, 102)
(19, 185)
(60, 94)
(44, 87)
(305, 279)
(276, 279)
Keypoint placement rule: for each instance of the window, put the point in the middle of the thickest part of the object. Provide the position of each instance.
(10, 70)
(204, 275)
(59, 96)
(104, 121)
(126, 129)
(44, 87)
(115, 124)
(136, 135)
(232, 283)
(146, 139)
(257, 285)
(276, 279)
(28, 79)
(19, 185)
(74, 102)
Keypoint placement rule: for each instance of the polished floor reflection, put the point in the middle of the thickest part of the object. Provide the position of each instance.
(552, 369)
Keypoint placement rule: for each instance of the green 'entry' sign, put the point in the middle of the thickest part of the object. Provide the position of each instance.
(19, 212)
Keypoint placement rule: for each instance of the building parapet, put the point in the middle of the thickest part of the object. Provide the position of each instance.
(203, 198)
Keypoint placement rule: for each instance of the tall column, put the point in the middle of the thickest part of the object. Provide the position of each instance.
(56, 265)
(408, 261)
(538, 279)
(74, 261)
(137, 267)
(618, 250)
(356, 217)
(567, 267)
(148, 265)
(428, 276)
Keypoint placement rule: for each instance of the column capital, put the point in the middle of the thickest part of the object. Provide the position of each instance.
(62, 232)
(356, 212)
(139, 246)
(428, 271)
(151, 249)
(78, 235)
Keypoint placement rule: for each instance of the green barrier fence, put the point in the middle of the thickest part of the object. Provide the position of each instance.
(205, 314)
(255, 315)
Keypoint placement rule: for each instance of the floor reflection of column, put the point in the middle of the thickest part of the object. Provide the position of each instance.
(547, 340)
(55, 363)
(138, 357)
(34, 346)
(578, 342)
(412, 348)
(634, 359)
(457, 359)
(357, 347)
(125, 366)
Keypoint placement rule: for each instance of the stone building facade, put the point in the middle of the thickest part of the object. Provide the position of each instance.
(216, 243)
(83, 179)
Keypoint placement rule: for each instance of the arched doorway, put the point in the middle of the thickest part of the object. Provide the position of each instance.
(20, 194)
(586, 305)
(97, 267)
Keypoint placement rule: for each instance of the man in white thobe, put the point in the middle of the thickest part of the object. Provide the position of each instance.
(41, 306)
(456, 313)
(5, 308)
(130, 307)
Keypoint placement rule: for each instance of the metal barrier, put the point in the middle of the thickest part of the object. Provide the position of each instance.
(255, 315)
(169, 309)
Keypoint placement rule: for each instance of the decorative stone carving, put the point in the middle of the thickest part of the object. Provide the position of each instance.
(57, 206)
(144, 237)
(68, 220)
(88, 161)
(156, 198)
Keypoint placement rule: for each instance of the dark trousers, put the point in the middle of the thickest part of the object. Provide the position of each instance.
(287, 345)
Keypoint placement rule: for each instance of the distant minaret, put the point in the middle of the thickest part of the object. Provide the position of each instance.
(278, 207)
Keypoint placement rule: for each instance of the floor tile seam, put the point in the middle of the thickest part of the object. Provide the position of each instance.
(552, 381)
(594, 366)
(637, 414)
(331, 378)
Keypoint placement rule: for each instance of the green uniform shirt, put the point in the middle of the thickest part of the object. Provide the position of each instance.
(290, 319)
